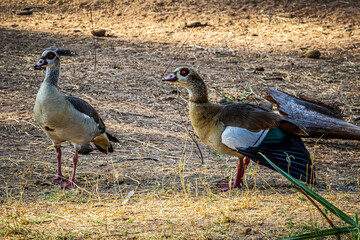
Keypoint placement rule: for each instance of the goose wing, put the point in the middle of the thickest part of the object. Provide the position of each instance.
(255, 118)
(85, 108)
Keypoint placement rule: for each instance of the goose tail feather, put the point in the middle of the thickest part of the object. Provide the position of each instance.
(289, 154)
(102, 143)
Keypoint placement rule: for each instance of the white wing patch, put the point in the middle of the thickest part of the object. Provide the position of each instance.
(234, 137)
(86, 116)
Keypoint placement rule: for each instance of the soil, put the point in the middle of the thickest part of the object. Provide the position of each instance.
(120, 75)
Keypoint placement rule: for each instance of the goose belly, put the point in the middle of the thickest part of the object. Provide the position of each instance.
(235, 137)
(210, 134)
(67, 124)
(77, 131)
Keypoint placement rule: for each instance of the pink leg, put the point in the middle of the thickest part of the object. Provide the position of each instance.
(71, 183)
(241, 166)
(59, 178)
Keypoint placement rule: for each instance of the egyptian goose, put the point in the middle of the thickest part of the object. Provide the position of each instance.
(243, 130)
(66, 118)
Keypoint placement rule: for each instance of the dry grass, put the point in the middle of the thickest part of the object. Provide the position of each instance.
(175, 197)
(178, 206)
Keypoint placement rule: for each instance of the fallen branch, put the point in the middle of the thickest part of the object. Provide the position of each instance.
(273, 78)
(319, 119)
(213, 51)
(134, 159)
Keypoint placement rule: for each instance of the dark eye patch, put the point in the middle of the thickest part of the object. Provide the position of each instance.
(50, 55)
(184, 72)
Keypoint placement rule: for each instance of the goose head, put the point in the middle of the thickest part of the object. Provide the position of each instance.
(185, 77)
(189, 79)
(48, 59)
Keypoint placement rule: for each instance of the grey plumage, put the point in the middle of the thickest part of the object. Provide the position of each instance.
(65, 118)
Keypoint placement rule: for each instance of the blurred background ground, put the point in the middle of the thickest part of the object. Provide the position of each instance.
(120, 75)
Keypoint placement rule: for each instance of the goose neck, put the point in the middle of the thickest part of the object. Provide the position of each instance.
(198, 93)
(52, 75)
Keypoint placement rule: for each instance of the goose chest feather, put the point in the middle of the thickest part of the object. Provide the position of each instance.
(58, 118)
(207, 125)
(51, 109)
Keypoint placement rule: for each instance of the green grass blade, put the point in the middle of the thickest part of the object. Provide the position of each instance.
(314, 195)
(323, 233)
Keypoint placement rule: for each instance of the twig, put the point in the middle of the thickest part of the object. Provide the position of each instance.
(226, 40)
(188, 129)
(147, 144)
(130, 103)
(94, 40)
(21, 120)
(128, 196)
(197, 145)
(182, 121)
(92, 99)
(134, 159)
(272, 78)
(213, 51)
(13, 161)
(167, 67)
(132, 179)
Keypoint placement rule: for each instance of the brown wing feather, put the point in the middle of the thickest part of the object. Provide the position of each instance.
(255, 118)
(293, 127)
(86, 108)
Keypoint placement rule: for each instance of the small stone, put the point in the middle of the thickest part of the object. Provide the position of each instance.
(228, 22)
(86, 149)
(25, 12)
(226, 219)
(174, 91)
(312, 54)
(259, 69)
(248, 231)
(221, 100)
(98, 33)
(194, 24)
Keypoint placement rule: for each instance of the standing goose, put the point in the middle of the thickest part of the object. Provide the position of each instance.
(243, 130)
(66, 118)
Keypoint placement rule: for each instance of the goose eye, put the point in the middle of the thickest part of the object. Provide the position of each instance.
(50, 55)
(184, 72)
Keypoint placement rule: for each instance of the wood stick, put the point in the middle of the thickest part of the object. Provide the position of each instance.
(214, 51)
(319, 119)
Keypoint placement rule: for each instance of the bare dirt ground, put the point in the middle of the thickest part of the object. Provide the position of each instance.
(120, 75)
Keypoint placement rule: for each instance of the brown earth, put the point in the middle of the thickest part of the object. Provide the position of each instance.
(176, 196)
